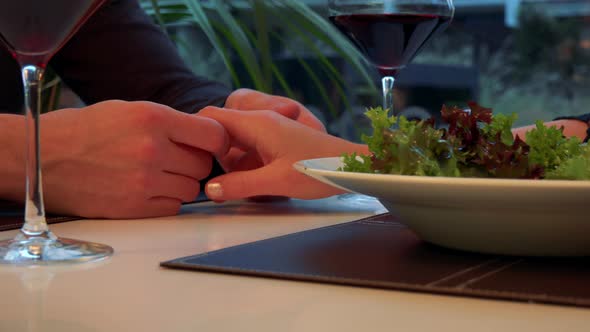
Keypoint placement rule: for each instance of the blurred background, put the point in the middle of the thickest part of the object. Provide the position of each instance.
(530, 57)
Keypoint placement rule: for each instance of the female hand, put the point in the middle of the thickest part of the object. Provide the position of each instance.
(279, 141)
(251, 100)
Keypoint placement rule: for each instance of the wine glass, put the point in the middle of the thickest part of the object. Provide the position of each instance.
(33, 30)
(390, 32)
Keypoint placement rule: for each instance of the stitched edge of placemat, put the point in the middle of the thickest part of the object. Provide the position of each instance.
(489, 294)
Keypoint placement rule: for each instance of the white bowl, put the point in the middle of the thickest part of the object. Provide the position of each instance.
(499, 216)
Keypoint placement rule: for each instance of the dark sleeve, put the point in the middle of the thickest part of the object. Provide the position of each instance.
(121, 54)
(583, 118)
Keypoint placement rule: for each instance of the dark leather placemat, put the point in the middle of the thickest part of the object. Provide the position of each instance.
(380, 252)
(11, 216)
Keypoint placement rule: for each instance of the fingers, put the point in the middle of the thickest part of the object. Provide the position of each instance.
(153, 207)
(238, 185)
(250, 100)
(271, 180)
(188, 161)
(126, 208)
(148, 195)
(198, 132)
(307, 118)
(245, 128)
(239, 160)
(169, 185)
(231, 159)
(157, 207)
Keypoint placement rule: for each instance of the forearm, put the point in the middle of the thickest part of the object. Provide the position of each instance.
(12, 148)
(570, 128)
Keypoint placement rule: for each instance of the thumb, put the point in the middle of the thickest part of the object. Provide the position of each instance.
(242, 184)
(271, 180)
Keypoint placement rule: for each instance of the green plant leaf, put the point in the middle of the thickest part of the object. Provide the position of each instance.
(169, 12)
(158, 15)
(263, 41)
(203, 22)
(327, 33)
(320, 86)
(251, 43)
(282, 81)
(274, 69)
(241, 45)
(51, 91)
(336, 79)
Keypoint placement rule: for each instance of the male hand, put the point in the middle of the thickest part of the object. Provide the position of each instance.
(279, 141)
(126, 159)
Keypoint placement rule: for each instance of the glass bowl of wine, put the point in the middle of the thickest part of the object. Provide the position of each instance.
(390, 32)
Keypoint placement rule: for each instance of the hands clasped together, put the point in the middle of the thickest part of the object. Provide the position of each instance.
(267, 134)
(120, 159)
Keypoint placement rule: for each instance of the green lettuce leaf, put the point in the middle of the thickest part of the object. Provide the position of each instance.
(476, 144)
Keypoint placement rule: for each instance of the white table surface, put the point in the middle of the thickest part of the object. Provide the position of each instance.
(131, 292)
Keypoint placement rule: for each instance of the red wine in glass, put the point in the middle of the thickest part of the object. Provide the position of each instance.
(33, 30)
(390, 41)
(390, 32)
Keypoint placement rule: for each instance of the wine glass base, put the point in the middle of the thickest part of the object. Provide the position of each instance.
(48, 250)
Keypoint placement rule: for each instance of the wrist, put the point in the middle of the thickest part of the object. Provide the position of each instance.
(573, 127)
(579, 121)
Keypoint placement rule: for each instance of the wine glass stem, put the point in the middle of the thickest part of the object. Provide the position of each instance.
(35, 223)
(387, 83)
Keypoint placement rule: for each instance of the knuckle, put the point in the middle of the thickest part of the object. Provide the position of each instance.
(115, 104)
(146, 115)
(208, 109)
(147, 150)
(235, 99)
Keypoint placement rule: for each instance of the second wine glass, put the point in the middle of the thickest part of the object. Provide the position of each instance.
(33, 30)
(390, 32)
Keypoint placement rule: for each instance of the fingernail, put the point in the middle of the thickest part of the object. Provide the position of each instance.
(214, 190)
